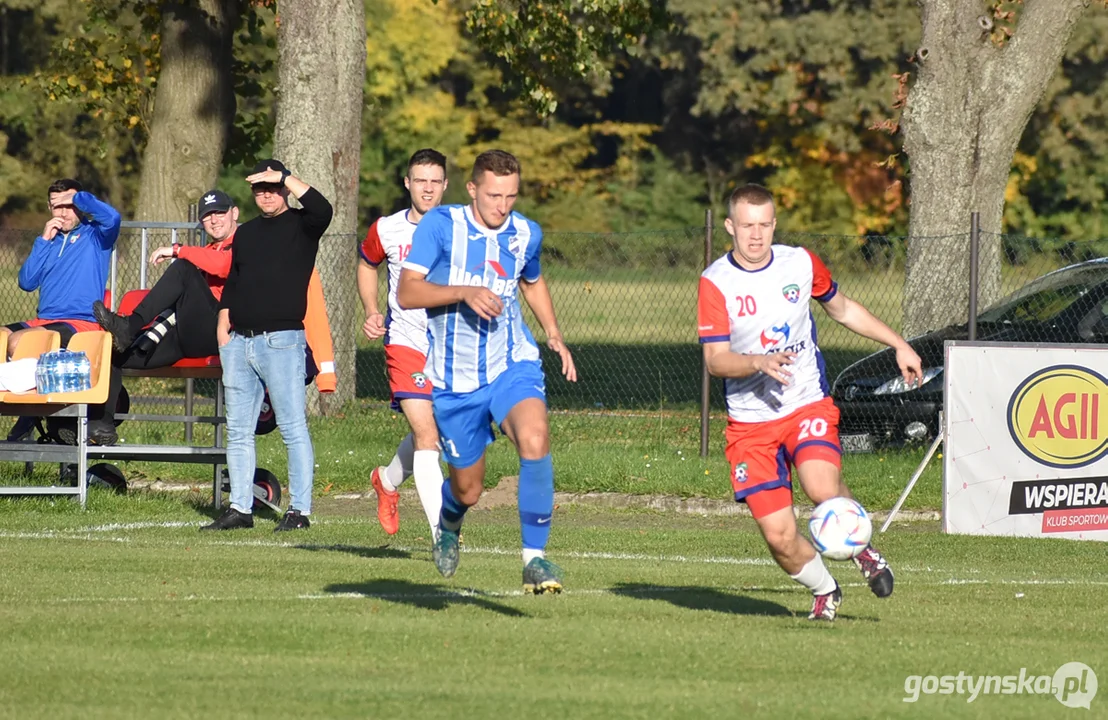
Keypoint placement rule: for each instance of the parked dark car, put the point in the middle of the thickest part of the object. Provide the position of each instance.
(1065, 306)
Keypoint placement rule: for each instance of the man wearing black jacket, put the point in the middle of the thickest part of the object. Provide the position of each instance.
(261, 337)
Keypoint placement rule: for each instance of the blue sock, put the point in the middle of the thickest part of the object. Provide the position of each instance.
(536, 501)
(450, 518)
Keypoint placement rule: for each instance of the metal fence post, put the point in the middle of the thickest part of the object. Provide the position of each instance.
(705, 379)
(974, 248)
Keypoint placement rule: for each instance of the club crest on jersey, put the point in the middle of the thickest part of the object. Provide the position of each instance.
(773, 336)
(740, 473)
(419, 379)
(515, 245)
(791, 293)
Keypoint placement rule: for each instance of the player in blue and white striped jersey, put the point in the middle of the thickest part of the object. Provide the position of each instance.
(467, 266)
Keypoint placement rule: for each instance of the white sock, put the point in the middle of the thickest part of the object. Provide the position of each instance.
(428, 483)
(401, 465)
(815, 577)
(530, 554)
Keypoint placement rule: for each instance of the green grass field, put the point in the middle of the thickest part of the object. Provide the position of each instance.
(635, 453)
(126, 611)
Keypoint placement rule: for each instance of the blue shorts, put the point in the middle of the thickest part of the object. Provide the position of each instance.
(464, 418)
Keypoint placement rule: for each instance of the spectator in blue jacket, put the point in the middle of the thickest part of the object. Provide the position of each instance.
(69, 265)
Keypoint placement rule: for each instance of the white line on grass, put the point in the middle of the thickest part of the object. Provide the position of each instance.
(470, 593)
(88, 533)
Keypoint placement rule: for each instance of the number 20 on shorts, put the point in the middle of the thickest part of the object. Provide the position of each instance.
(816, 427)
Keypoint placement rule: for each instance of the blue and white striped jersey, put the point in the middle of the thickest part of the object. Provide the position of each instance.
(466, 352)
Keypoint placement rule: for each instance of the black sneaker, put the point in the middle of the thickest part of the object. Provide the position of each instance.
(826, 607)
(118, 325)
(231, 519)
(292, 520)
(101, 435)
(876, 571)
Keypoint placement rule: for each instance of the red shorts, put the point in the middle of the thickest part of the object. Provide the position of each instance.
(761, 453)
(404, 368)
(76, 325)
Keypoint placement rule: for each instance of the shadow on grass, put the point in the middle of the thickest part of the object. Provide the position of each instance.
(383, 552)
(428, 597)
(610, 376)
(701, 598)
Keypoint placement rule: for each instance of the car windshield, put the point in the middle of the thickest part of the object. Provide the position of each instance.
(1045, 298)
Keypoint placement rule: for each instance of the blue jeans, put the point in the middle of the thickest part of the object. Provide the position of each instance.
(277, 360)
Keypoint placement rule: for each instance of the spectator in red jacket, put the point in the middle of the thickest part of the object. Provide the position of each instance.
(185, 301)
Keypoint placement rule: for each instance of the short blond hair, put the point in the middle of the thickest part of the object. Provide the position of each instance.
(751, 194)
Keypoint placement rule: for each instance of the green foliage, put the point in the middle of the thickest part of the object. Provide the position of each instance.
(787, 94)
(545, 43)
(656, 115)
(1056, 188)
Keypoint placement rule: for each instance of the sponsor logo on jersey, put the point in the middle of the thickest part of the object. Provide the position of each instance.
(774, 336)
(496, 268)
(502, 285)
(791, 293)
(1057, 416)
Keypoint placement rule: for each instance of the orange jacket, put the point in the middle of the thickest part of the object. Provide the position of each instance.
(318, 333)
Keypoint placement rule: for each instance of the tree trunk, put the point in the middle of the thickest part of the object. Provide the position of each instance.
(194, 108)
(962, 122)
(321, 58)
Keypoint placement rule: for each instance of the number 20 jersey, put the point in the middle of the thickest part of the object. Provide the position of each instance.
(762, 312)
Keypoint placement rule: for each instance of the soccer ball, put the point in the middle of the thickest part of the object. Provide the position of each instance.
(840, 528)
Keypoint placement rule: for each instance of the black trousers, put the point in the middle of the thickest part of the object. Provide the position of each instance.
(183, 290)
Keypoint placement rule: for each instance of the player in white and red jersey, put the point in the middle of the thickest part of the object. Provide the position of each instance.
(759, 335)
(405, 339)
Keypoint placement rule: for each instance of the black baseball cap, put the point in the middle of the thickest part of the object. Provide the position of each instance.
(215, 201)
(270, 164)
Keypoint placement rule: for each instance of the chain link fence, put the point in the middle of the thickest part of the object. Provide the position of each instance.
(626, 303)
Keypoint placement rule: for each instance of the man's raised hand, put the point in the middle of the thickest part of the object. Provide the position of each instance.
(161, 255)
(53, 227)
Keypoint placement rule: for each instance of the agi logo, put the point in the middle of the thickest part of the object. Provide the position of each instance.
(775, 335)
(1057, 418)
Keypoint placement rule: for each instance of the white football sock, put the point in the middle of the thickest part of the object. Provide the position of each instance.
(401, 465)
(530, 554)
(428, 483)
(815, 577)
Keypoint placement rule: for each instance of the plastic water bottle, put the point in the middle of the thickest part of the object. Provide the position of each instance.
(63, 371)
(42, 374)
(46, 373)
(83, 370)
(68, 371)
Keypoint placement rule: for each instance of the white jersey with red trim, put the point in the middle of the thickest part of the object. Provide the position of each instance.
(762, 312)
(390, 239)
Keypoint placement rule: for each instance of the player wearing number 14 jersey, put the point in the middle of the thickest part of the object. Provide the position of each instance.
(758, 334)
(404, 332)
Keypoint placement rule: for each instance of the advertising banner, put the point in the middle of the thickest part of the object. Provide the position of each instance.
(1026, 431)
